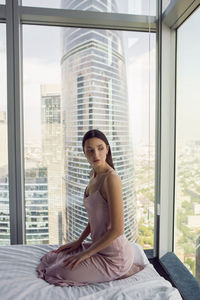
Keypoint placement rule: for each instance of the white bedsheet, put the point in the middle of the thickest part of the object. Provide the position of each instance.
(19, 281)
(156, 289)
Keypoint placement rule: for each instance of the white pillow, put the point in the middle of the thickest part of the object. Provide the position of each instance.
(139, 255)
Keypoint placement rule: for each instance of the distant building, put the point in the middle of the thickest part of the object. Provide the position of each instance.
(36, 206)
(4, 199)
(197, 261)
(94, 95)
(193, 221)
(4, 210)
(4, 140)
(52, 158)
(51, 121)
(196, 208)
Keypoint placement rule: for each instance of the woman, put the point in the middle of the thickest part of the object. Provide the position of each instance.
(110, 255)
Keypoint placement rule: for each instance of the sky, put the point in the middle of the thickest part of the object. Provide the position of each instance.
(188, 79)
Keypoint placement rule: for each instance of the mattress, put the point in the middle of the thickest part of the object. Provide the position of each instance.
(19, 280)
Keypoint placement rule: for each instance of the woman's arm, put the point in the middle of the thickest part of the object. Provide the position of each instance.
(113, 189)
(69, 247)
(85, 233)
(87, 230)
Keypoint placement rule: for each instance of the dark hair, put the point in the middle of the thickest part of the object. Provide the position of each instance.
(100, 135)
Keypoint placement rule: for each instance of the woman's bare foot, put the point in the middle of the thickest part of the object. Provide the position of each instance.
(135, 268)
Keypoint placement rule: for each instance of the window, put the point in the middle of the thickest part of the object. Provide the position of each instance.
(87, 78)
(4, 185)
(187, 197)
(45, 211)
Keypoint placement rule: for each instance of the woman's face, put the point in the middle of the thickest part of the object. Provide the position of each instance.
(95, 151)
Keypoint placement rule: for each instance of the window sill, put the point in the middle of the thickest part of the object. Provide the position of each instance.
(172, 269)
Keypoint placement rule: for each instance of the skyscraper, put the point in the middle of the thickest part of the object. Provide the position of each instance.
(4, 140)
(4, 193)
(36, 204)
(4, 209)
(94, 95)
(197, 259)
(52, 158)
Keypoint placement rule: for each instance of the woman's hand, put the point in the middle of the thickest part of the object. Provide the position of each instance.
(73, 261)
(68, 247)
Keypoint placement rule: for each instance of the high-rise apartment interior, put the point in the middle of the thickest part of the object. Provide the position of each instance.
(131, 69)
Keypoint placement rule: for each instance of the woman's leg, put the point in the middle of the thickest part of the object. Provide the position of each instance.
(135, 268)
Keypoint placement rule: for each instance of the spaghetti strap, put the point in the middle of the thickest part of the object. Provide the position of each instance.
(101, 181)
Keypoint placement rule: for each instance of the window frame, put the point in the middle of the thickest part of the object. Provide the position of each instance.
(15, 16)
(173, 17)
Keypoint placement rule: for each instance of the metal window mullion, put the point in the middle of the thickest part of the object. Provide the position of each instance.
(158, 129)
(168, 139)
(175, 141)
(86, 19)
(15, 124)
(178, 11)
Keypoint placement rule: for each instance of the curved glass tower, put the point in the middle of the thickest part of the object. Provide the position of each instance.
(94, 96)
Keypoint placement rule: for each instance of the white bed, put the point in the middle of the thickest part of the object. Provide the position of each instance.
(19, 281)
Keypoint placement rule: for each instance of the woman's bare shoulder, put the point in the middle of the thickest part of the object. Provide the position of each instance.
(111, 182)
(112, 178)
(112, 186)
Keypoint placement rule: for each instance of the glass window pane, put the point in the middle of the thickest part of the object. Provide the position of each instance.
(141, 91)
(165, 4)
(42, 3)
(187, 222)
(139, 7)
(86, 79)
(4, 192)
(45, 211)
(2, 2)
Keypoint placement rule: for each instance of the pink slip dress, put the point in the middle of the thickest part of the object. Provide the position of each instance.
(110, 263)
